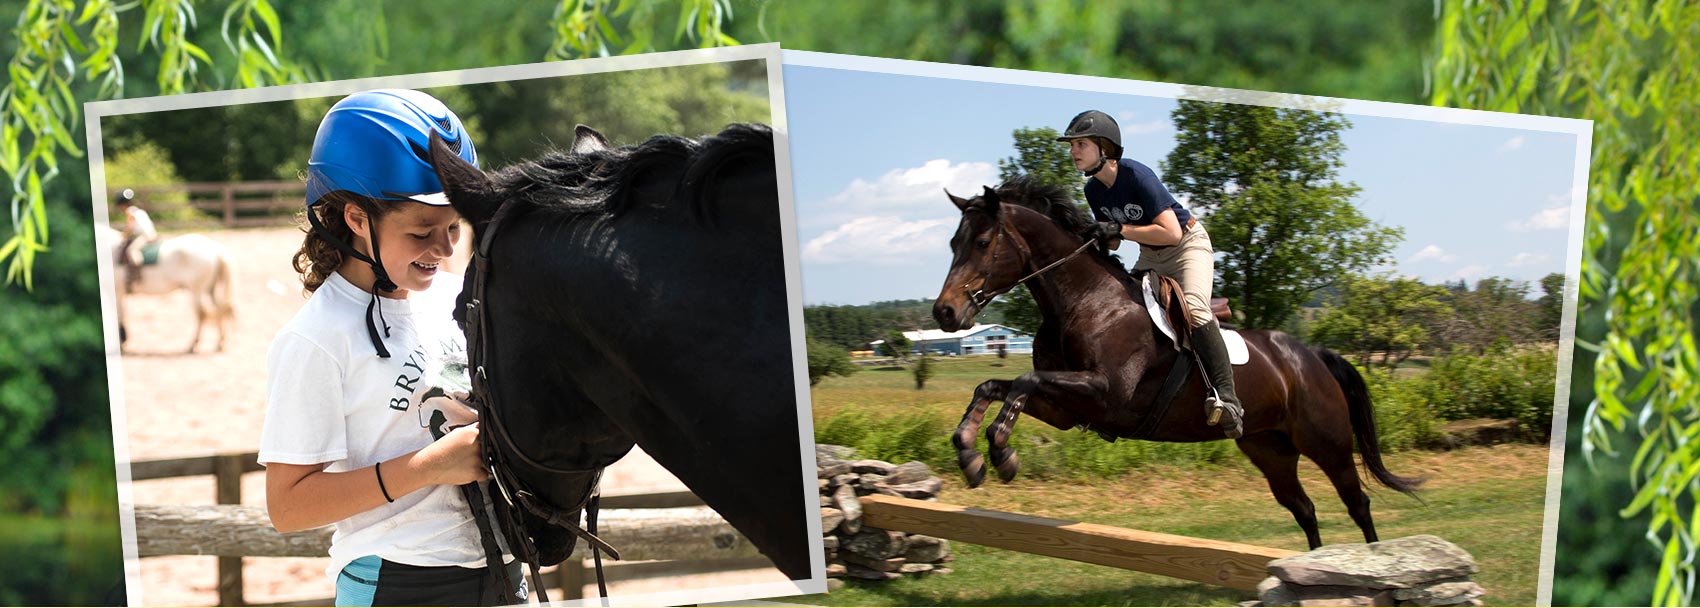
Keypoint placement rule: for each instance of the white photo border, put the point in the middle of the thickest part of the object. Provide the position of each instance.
(1582, 129)
(770, 53)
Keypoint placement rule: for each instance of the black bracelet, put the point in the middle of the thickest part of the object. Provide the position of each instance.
(378, 468)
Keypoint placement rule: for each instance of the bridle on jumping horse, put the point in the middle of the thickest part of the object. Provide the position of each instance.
(497, 444)
(980, 298)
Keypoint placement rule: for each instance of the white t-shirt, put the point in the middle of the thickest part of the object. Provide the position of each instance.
(139, 223)
(331, 399)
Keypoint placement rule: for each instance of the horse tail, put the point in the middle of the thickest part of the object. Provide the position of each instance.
(1363, 422)
(220, 289)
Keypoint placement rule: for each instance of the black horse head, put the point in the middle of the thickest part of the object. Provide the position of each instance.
(638, 295)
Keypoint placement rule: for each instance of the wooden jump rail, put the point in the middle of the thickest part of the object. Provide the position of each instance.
(1206, 561)
(671, 526)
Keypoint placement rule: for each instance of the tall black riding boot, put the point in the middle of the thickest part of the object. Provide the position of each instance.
(1207, 341)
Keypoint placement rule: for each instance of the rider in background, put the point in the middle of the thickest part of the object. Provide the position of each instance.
(138, 233)
(354, 432)
(1130, 202)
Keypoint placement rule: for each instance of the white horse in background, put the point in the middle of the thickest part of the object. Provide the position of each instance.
(191, 262)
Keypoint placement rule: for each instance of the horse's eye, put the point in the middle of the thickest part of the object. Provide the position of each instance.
(982, 243)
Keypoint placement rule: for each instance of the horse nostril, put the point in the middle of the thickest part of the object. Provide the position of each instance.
(945, 315)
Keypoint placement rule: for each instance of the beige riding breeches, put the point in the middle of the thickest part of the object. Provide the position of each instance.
(1192, 263)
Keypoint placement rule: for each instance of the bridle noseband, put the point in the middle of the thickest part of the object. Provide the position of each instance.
(979, 298)
(497, 444)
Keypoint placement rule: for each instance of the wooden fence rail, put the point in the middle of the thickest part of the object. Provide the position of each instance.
(243, 531)
(672, 526)
(235, 204)
(1194, 559)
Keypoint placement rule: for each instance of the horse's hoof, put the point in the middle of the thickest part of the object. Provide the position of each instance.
(1007, 464)
(973, 469)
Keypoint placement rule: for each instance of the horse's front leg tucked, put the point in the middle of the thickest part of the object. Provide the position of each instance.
(1060, 389)
(973, 465)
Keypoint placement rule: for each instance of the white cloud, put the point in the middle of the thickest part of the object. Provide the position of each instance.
(1527, 259)
(881, 240)
(1470, 272)
(1126, 120)
(1551, 218)
(1432, 252)
(1146, 128)
(1512, 144)
(915, 187)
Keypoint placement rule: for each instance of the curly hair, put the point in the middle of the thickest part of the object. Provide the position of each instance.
(318, 258)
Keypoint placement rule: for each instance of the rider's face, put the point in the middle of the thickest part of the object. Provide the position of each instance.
(1085, 153)
(414, 242)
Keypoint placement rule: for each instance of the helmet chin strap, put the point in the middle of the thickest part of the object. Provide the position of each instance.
(1096, 168)
(381, 280)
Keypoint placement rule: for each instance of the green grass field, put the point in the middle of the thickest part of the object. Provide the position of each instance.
(1488, 500)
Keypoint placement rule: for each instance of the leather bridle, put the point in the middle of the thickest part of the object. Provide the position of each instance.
(497, 444)
(978, 296)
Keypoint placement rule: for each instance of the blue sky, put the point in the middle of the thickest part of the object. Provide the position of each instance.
(871, 153)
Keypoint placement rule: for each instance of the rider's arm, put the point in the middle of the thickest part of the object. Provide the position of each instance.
(299, 497)
(1161, 232)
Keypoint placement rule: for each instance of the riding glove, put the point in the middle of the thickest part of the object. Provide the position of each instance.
(1107, 233)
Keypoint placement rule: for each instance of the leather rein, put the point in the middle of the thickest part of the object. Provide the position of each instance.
(497, 444)
(980, 298)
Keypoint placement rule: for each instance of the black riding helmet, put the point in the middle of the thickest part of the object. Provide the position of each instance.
(1100, 127)
(126, 197)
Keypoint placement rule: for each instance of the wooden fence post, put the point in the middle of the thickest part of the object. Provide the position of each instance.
(227, 473)
(229, 194)
(571, 575)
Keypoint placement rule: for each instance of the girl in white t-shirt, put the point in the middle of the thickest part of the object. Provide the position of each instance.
(358, 432)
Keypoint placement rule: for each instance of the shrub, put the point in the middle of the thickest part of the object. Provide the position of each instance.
(923, 371)
(1403, 418)
(827, 360)
(922, 436)
(149, 165)
(1506, 383)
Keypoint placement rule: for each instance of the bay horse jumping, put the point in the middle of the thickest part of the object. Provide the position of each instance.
(1099, 361)
(637, 295)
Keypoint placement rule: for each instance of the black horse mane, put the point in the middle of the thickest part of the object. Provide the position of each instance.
(599, 182)
(1053, 201)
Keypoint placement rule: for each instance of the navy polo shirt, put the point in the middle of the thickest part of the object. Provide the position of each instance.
(1135, 199)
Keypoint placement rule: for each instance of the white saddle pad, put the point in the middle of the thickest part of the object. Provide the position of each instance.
(1238, 354)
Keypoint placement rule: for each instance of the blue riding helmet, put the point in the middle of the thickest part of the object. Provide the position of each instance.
(377, 144)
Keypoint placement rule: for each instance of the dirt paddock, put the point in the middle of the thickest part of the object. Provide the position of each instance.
(177, 404)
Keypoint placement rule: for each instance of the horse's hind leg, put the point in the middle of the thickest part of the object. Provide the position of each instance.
(1275, 456)
(200, 319)
(1343, 473)
(973, 464)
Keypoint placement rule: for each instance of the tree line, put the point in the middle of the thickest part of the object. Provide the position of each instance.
(1384, 320)
(852, 327)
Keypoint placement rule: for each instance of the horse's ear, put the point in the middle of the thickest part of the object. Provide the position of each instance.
(587, 140)
(990, 195)
(961, 203)
(468, 189)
